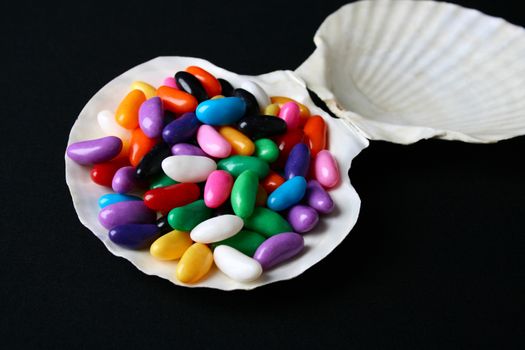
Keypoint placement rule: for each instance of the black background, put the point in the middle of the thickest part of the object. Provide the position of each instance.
(437, 259)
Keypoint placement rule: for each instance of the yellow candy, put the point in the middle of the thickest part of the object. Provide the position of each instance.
(171, 246)
(216, 97)
(304, 111)
(195, 263)
(146, 88)
(272, 109)
(241, 144)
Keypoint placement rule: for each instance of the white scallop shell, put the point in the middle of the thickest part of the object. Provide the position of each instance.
(345, 144)
(403, 71)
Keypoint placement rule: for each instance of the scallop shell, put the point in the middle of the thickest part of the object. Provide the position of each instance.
(345, 141)
(403, 70)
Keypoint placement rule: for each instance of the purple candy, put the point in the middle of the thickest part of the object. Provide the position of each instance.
(128, 212)
(279, 248)
(95, 151)
(317, 198)
(151, 117)
(302, 218)
(133, 236)
(298, 161)
(181, 129)
(124, 180)
(187, 149)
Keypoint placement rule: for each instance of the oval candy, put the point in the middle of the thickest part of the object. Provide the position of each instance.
(186, 149)
(261, 197)
(216, 229)
(279, 248)
(317, 198)
(150, 165)
(194, 263)
(266, 150)
(133, 236)
(127, 212)
(266, 222)
(186, 217)
(212, 143)
(140, 145)
(272, 109)
(161, 180)
(235, 165)
(315, 131)
(226, 87)
(272, 181)
(290, 113)
(127, 113)
(94, 151)
(217, 189)
(221, 111)
(252, 107)
(176, 101)
(261, 126)
(108, 124)
(260, 95)
(304, 111)
(189, 83)
(148, 90)
(286, 142)
(151, 117)
(170, 82)
(208, 81)
(240, 143)
(102, 173)
(124, 180)
(326, 169)
(164, 199)
(236, 265)
(188, 168)
(163, 225)
(181, 129)
(298, 161)
(244, 193)
(288, 194)
(302, 218)
(171, 246)
(245, 241)
(112, 198)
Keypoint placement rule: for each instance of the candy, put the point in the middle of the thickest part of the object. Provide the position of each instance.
(190, 84)
(261, 197)
(245, 241)
(171, 246)
(194, 263)
(133, 236)
(186, 149)
(108, 124)
(272, 109)
(127, 114)
(176, 101)
(151, 117)
(127, 212)
(164, 199)
(279, 248)
(217, 189)
(170, 82)
(260, 126)
(161, 180)
(236, 265)
(212, 143)
(140, 145)
(288, 194)
(124, 180)
(150, 165)
(216, 229)
(298, 161)
(304, 111)
(221, 111)
(272, 181)
(185, 218)
(188, 168)
(226, 87)
(326, 169)
(181, 129)
(235, 165)
(208, 81)
(266, 222)
(290, 113)
(163, 225)
(266, 150)
(112, 198)
(315, 132)
(148, 90)
(244, 193)
(286, 142)
(102, 173)
(252, 106)
(94, 151)
(239, 142)
(317, 198)
(302, 218)
(260, 96)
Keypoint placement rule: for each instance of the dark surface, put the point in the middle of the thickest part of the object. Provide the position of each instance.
(437, 259)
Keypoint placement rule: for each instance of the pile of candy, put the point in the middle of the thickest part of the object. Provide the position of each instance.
(234, 177)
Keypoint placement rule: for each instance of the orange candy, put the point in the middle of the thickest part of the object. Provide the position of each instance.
(240, 143)
(304, 112)
(208, 81)
(140, 144)
(272, 181)
(127, 114)
(315, 132)
(176, 101)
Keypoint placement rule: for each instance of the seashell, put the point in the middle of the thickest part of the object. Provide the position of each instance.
(346, 142)
(403, 71)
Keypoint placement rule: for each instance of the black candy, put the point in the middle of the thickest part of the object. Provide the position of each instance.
(260, 126)
(188, 83)
(252, 107)
(163, 225)
(151, 163)
(226, 87)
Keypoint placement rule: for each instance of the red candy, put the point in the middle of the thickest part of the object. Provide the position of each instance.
(286, 142)
(102, 173)
(164, 199)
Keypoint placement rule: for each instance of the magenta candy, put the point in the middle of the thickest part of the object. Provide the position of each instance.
(218, 188)
(187, 149)
(151, 117)
(95, 151)
(302, 218)
(128, 212)
(298, 161)
(326, 169)
(170, 81)
(317, 198)
(279, 248)
(291, 114)
(124, 180)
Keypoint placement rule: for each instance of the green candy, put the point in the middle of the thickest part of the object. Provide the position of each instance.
(266, 150)
(245, 241)
(244, 192)
(235, 165)
(267, 222)
(161, 180)
(185, 218)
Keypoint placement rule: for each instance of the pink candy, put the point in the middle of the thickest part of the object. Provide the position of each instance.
(326, 169)
(218, 188)
(212, 143)
(291, 114)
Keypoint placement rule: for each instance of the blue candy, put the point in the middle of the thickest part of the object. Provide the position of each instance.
(288, 194)
(112, 198)
(134, 236)
(298, 161)
(181, 129)
(222, 111)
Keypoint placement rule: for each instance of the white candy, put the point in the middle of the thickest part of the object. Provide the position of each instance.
(236, 265)
(260, 95)
(217, 228)
(188, 168)
(108, 124)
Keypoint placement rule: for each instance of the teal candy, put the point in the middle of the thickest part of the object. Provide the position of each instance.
(112, 198)
(289, 193)
(222, 111)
